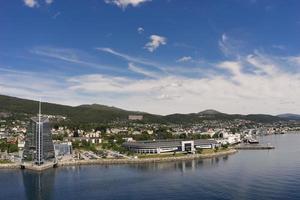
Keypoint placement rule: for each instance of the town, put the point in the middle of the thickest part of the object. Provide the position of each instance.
(132, 138)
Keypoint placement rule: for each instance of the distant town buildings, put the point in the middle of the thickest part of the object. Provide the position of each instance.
(135, 117)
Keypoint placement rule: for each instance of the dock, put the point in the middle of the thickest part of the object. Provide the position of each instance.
(254, 147)
(34, 167)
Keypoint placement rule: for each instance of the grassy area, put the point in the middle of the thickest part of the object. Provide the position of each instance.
(210, 151)
(164, 155)
(178, 154)
(5, 161)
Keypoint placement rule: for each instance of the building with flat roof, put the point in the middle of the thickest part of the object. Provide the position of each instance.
(135, 117)
(164, 146)
(63, 148)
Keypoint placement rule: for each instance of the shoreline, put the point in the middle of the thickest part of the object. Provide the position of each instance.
(145, 160)
(10, 166)
(129, 161)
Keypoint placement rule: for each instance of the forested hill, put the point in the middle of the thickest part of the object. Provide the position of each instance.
(85, 113)
(96, 113)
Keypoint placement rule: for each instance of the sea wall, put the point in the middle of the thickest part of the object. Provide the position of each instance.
(129, 161)
(9, 166)
(144, 160)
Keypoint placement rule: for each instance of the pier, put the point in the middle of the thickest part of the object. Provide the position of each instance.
(254, 147)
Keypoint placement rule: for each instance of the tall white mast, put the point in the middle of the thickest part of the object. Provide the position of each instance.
(39, 134)
(40, 110)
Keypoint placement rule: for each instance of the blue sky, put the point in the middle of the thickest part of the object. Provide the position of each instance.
(159, 56)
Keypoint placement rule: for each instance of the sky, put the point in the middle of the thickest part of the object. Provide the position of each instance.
(158, 56)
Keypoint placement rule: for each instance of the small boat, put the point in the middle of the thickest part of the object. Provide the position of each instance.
(253, 141)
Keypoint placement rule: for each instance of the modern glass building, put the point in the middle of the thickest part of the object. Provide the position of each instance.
(38, 142)
(165, 146)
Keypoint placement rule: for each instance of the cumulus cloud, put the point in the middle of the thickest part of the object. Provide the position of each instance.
(35, 3)
(184, 59)
(31, 3)
(155, 42)
(140, 30)
(250, 83)
(267, 88)
(124, 3)
(239, 92)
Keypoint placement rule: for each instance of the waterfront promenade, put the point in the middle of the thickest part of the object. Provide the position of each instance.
(129, 161)
(146, 160)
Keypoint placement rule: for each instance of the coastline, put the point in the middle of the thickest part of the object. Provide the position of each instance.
(129, 161)
(9, 166)
(145, 160)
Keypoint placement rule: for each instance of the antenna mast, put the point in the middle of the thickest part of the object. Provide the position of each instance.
(39, 138)
(40, 110)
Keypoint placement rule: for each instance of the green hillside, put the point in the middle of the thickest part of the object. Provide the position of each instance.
(85, 113)
(96, 113)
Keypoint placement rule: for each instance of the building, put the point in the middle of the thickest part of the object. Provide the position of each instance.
(164, 146)
(38, 141)
(93, 140)
(135, 117)
(64, 148)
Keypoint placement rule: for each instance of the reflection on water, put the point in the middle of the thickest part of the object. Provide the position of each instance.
(253, 174)
(182, 166)
(39, 185)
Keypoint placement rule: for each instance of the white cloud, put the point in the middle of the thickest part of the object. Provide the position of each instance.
(278, 46)
(224, 46)
(233, 67)
(268, 90)
(131, 58)
(294, 60)
(254, 83)
(49, 1)
(155, 42)
(31, 3)
(72, 56)
(184, 59)
(139, 70)
(230, 46)
(241, 93)
(124, 3)
(56, 15)
(140, 30)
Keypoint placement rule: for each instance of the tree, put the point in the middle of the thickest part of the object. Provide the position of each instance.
(12, 148)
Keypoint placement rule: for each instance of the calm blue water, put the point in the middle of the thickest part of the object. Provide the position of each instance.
(262, 174)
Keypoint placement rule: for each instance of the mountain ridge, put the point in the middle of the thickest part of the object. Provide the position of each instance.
(289, 116)
(97, 113)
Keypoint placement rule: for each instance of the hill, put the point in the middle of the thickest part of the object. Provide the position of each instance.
(84, 114)
(96, 113)
(289, 116)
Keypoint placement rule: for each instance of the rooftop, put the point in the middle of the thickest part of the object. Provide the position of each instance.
(165, 143)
